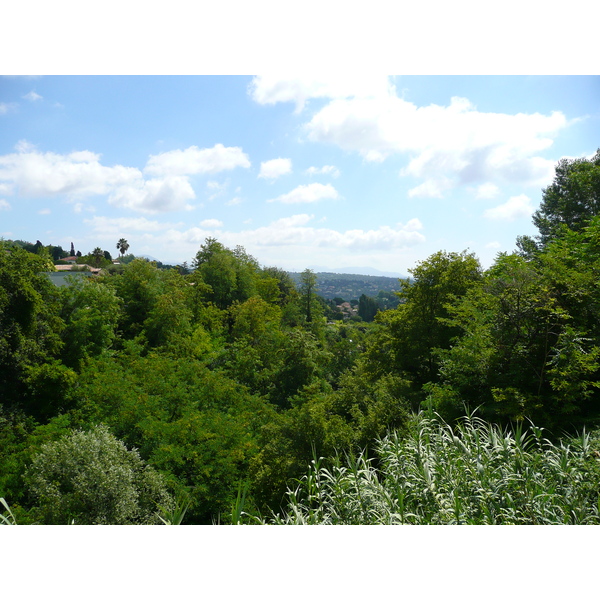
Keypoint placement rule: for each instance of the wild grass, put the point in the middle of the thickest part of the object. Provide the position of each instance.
(7, 518)
(472, 473)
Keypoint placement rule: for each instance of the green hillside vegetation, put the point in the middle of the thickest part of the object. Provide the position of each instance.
(224, 392)
(351, 287)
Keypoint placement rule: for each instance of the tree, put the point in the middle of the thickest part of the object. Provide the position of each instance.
(91, 311)
(571, 200)
(308, 295)
(97, 256)
(231, 274)
(122, 246)
(412, 332)
(367, 308)
(30, 329)
(92, 478)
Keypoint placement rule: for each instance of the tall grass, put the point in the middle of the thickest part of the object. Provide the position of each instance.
(8, 518)
(472, 473)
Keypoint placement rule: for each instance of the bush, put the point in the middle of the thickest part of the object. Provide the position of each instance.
(92, 478)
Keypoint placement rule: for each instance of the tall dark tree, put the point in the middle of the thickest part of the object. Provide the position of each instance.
(308, 289)
(571, 200)
(367, 308)
(97, 256)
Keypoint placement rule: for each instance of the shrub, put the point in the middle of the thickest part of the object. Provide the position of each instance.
(92, 478)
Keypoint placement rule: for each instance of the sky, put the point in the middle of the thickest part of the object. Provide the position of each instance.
(338, 173)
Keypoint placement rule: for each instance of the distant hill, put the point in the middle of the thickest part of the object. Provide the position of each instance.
(349, 286)
(357, 271)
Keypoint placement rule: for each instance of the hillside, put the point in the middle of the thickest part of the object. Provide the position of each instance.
(350, 287)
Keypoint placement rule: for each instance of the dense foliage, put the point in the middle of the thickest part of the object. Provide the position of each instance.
(473, 473)
(227, 376)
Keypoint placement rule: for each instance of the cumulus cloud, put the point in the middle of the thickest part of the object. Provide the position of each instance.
(37, 174)
(293, 231)
(448, 145)
(271, 169)
(123, 225)
(493, 245)
(325, 170)
(154, 195)
(267, 89)
(312, 192)
(4, 204)
(486, 191)
(194, 160)
(234, 201)
(32, 97)
(80, 174)
(44, 211)
(211, 224)
(515, 207)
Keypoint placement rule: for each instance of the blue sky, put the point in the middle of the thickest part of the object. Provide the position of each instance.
(328, 172)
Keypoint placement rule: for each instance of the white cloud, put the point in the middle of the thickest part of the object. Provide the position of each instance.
(494, 245)
(515, 207)
(211, 224)
(325, 170)
(44, 211)
(194, 160)
(266, 89)
(124, 226)
(432, 188)
(154, 195)
(24, 146)
(234, 201)
(312, 192)
(32, 96)
(271, 169)
(6, 107)
(455, 143)
(37, 174)
(486, 191)
(4, 205)
(292, 231)
(80, 174)
(215, 185)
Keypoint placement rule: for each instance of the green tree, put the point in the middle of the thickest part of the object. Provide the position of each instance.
(522, 351)
(92, 478)
(31, 375)
(410, 335)
(367, 308)
(309, 304)
(91, 311)
(230, 274)
(97, 256)
(571, 200)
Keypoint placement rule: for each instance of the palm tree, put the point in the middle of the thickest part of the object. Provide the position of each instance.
(122, 246)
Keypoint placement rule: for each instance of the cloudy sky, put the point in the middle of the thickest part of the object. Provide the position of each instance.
(336, 172)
